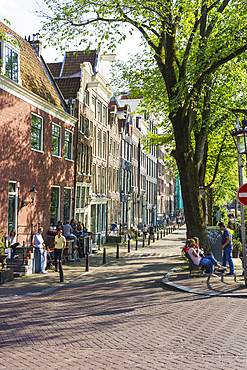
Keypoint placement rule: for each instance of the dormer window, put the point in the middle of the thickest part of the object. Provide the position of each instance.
(10, 57)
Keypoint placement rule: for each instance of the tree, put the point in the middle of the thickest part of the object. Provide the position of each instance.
(190, 41)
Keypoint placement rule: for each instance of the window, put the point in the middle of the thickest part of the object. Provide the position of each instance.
(11, 64)
(114, 149)
(89, 160)
(56, 140)
(85, 159)
(86, 97)
(68, 145)
(80, 158)
(99, 112)
(104, 145)
(91, 128)
(117, 181)
(86, 127)
(113, 179)
(110, 146)
(67, 204)
(36, 132)
(55, 204)
(104, 115)
(81, 123)
(94, 141)
(99, 180)
(93, 105)
(99, 143)
(117, 150)
(103, 180)
(94, 179)
(110, 179)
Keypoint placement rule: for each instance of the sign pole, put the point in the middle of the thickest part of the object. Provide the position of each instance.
(242, 211)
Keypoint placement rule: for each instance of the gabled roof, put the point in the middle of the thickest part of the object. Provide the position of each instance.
(69, 86)
(73, 59)
(55, 68)
(33, 75)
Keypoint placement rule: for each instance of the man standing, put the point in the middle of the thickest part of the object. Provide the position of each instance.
(39, 244)
(68, 232)
(60, 244)
(226, 246)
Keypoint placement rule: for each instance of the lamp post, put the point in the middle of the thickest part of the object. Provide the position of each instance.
(241, 134)
(33, 193)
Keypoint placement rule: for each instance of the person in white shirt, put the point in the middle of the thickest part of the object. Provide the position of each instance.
(200, 259)
(39, 244)
(12, 244)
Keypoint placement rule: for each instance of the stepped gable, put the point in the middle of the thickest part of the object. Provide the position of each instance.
(33, 75)
(73, 59)
(69, 86)
(55, 68)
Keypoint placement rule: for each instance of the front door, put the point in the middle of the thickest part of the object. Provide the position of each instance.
(13, 206)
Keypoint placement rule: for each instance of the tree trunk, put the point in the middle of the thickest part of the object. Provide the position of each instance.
(189, 178)
(210, 206)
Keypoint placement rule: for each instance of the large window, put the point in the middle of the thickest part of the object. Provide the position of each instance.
(99, 143)
(80, 158)
(36, 132)
(103, 181)
(110, 146)
(86, 97)
(85, 159)
(104, 115)
(67, 204)
(81, 123)
(94, 141)
(94, 179)
(55, 205)
(99, 112)
(113, 179)
(11, 64)
(89, 160)
(104, 145)
(86, 128)
(68, 145)
(56, 140)
(99, 180)
(110, 179)
(117, 189)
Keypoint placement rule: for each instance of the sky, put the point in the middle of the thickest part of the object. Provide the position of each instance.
(24, 21)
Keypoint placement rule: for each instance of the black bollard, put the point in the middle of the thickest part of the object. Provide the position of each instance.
(117, 255)
(128, 246)
(161, 234)
(143, 242)
(157, 236)
(61, 271)
(136, 244)
(104, 256)
(87, 261)
(153, 238)
(149, 239)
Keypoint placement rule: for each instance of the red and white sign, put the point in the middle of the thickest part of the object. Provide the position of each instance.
(242, 194)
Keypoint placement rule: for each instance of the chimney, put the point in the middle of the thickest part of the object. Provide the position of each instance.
(36, 44)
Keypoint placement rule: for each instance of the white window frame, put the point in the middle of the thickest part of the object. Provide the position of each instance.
(59, 202)
(60, 139)
(12, 43)
(72, 140)
(42, 133)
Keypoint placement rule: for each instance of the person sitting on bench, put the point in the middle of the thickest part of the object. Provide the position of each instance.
(199, 259)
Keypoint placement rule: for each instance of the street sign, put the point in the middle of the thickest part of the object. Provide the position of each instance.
(242, 194)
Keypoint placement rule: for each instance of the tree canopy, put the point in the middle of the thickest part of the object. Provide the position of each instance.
(190, 41)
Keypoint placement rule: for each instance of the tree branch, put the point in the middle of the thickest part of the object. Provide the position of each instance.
(214, 20)
(217, 162)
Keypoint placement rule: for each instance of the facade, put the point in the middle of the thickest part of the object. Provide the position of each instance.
(37, 137)
(87, 93)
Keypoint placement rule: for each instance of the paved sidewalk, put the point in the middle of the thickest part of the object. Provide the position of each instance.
(176, 274)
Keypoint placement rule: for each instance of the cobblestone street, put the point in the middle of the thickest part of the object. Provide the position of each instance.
(121, 317)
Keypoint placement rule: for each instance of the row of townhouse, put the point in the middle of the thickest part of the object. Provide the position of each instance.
(64, 133)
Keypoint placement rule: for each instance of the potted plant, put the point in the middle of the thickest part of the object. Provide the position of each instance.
(237, 247)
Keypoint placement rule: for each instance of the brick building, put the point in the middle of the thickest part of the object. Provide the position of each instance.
(36, 146)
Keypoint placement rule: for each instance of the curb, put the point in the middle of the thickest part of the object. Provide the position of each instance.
(165, 281)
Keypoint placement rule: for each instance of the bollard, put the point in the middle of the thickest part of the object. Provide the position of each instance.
(153, 238)
(161, 234)
(104, 256)
(149, 239)
(166, 231)
(61, 271)
(136, 244)
(117, 255)
(157, 236)
(87, 261)
(128, 246)
(143, 242)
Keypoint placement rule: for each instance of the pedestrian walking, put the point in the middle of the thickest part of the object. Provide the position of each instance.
(60, 244)
(145, 231)
(226, 246)
(39, 244)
